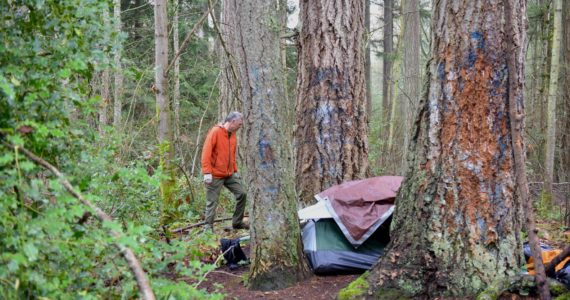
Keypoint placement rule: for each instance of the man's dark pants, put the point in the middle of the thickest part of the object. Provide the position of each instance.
(233, 184)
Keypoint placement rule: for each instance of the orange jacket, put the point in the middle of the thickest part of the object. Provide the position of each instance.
(219, 153)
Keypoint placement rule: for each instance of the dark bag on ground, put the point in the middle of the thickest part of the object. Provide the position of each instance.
(232, 252)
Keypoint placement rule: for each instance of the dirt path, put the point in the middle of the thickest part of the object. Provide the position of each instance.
(317, 287)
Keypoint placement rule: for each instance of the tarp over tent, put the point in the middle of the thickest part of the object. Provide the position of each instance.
(346, 231)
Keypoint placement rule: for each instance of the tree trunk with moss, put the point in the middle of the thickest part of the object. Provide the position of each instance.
(276, 250)
(163, 111)
(457, 220)
(331, 133)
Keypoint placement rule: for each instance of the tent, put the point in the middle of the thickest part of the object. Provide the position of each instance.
(347, 230)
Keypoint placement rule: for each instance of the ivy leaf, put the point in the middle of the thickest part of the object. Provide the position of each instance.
(7, 89)
(64, 73)
(112, 226)
(31, 251)
(27, 166)
(6, 158)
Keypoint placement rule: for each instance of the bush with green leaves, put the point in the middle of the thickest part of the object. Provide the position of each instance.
(49, 247)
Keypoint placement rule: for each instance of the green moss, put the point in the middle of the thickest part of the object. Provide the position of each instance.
(491, 293)
(391, 294)
(356, 289)
(408, 287)
(563, 297)
(557, 288)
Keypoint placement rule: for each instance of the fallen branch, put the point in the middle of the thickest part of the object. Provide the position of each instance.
(128, 254)
(177, 230)
(550, 269)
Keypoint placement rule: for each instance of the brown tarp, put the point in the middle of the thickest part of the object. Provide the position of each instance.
(360, 206)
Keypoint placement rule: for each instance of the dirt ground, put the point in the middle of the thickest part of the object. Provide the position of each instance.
(231, 283)
(317, 287)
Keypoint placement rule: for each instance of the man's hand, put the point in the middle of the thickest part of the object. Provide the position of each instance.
(207, 178)
(236, 175)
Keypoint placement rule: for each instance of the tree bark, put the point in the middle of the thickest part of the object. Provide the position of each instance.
(276, 250)
(551, 111)
(164, 113)
(118, 91)
(456, 225)
(331, 133)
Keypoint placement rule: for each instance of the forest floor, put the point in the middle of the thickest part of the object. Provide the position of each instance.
(232, 282)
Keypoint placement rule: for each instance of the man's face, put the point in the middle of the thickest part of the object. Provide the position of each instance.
(235, 125)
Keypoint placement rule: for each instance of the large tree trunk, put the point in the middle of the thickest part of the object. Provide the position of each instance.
(164, 130)
(331, 132)
(456, 225)
(277, 254)
(552, 95)
(118, 92)
(411, 69)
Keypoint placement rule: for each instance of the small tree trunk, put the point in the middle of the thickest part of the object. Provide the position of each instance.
(105, 95)
(411, 69)
(118, 95)
(565, 93)
(388, 57)
(176, 92)
(164, 130)
(552, 95)
(367, 60)
(105, 82)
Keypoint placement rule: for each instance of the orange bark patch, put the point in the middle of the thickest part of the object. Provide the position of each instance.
(474, 141)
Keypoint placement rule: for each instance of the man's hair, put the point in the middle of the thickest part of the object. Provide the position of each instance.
(234, 115)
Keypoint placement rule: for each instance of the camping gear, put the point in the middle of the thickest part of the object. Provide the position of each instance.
(562, 269)
(232, 252)
(347, 230)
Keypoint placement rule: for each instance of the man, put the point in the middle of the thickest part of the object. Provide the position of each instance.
(220, 169)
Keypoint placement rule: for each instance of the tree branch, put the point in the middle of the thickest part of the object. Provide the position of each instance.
(187, 40)
(128, 254)
(514, 31)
